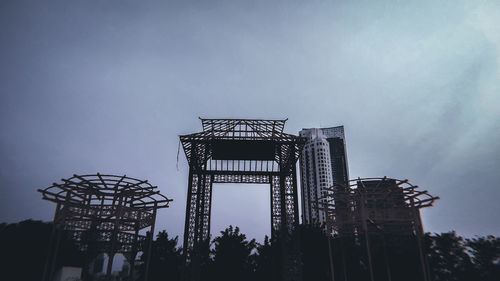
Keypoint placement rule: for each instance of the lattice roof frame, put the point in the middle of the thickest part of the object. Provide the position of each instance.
(422, 198)
(78, 215)
(413, 198)
(148, 196)
(225, 129)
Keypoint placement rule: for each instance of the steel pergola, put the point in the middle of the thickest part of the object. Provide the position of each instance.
(366, 207)
(104, 214)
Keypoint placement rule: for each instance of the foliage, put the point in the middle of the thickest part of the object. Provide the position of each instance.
(262, 261)
(231, 256)
(448, 257)
(452, 257)
(485, 253)
(24, 248)
(314, 249)
(166, 259)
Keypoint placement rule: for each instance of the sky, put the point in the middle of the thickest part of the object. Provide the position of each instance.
(108, 86)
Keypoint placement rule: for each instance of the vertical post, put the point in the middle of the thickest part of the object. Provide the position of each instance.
(150, 244)
(85, 267)
(131, 262)
(419, 234)
(50, 250)
(284, 231)
(197, 210)
(56, 251)
(116, 228)
(295, 192)
(54, 256)
(210, 204)
(344, 266)
(188, 214)
(273, 232)
(271, 204)
(283, 224)
(109, 266)
(133, 255)
(367, 236)
(330, 257)
(387, 267)
(202, 198)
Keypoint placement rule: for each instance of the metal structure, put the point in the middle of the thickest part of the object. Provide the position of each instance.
(240, 151)
(373, 206)
(104, 214)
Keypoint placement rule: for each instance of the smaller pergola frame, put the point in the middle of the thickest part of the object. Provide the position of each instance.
(104, 214)
(376, 206)
(387, 204)
(240, 151)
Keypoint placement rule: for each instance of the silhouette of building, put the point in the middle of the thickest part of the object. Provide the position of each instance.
(323, 163)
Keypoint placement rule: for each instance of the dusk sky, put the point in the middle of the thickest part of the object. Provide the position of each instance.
(108, 86)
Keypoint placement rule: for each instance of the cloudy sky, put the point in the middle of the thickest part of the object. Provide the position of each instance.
(108, 86)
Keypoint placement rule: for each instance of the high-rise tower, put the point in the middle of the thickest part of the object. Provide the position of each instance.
(323, 163)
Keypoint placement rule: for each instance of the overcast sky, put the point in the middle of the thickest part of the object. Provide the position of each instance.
(108, 86)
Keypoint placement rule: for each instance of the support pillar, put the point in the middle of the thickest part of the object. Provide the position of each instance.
(109, 266)
(150, 245)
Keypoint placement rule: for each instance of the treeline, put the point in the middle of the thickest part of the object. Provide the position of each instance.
(231, 256)
(24, 248)
(394, 257)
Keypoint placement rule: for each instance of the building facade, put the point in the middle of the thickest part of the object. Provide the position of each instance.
(323, 163)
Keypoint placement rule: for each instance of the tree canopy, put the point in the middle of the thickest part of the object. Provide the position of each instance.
(231, 256)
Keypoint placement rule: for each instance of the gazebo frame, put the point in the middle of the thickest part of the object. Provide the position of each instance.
(374, 206)
(104, 214)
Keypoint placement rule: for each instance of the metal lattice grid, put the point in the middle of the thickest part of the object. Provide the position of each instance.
(240, 151)
(386, 203)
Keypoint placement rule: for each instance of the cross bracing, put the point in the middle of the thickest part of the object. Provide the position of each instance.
(240, 151)
(104, 214)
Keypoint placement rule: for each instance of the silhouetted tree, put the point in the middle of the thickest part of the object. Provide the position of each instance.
(485, 253)
(166, 259)
(24, 248)
(231, 256)
(448, 258)
(262, 261)
(314, 248)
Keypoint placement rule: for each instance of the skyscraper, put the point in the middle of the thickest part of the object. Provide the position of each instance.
(323, 163)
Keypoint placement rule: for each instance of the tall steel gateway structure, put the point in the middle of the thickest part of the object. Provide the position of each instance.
(240, 151)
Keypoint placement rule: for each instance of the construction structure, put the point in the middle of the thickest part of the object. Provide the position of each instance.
(103, 214)
(368, 209)
(240, 151)
(323, 163)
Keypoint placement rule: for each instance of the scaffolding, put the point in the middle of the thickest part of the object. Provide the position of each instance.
(104, 214)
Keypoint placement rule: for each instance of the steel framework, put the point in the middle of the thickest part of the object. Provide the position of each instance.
(104, 214)
(373, 206)
(240, 151)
